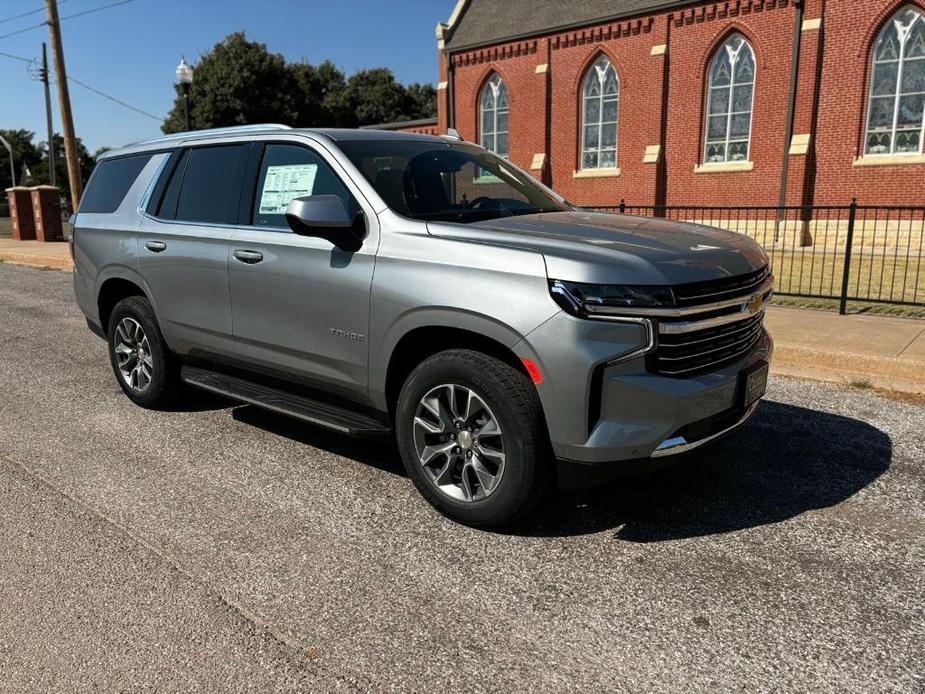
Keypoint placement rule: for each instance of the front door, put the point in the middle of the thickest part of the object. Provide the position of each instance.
(300, 305)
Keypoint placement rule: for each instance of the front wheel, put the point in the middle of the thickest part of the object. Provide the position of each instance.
(472, 438)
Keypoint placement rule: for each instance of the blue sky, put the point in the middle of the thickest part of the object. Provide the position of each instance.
(131, 51)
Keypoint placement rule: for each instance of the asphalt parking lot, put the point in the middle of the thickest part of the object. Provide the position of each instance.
(222, 548)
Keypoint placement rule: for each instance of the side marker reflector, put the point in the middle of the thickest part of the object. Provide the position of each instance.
(533, 370)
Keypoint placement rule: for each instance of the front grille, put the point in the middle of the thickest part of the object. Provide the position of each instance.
(698, 351)
(725, 330)
(696, 293)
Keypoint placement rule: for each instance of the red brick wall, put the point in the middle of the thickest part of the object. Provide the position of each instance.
(849, 32)
(545, 106)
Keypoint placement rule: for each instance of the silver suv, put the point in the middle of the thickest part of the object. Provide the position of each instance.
(381, 283)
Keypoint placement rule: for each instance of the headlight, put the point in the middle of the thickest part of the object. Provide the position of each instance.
(581, 299)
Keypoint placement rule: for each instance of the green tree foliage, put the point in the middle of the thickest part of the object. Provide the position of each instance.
(34, 159)
(25, 155)
(40, 172)
(240, 82)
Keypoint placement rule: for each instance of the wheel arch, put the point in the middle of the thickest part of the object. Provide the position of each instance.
(112, 290)
(421, 342)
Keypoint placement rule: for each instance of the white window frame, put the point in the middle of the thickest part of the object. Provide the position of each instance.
(598, 71)
(494, 87)
(733, 53)
(902, 34)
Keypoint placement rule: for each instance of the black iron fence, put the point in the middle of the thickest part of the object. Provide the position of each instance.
(843, 253)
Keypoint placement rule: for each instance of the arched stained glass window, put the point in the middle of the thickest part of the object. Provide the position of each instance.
(729, 102)
(600, 92)
(493, 114)
(897, 86)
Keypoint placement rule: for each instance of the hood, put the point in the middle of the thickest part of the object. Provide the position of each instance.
(618, 249)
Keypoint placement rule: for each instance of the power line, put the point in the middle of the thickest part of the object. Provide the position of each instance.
(70, 16)
(16, 57)
(113, 99)
(26, 14)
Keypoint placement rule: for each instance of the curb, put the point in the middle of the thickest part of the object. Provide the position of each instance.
(40, 262)
(889, 373)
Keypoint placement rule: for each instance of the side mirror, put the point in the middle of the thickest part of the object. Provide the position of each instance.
(326, 217)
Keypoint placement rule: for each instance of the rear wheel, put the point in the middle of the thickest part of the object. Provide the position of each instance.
(144, 366)
(472, 438)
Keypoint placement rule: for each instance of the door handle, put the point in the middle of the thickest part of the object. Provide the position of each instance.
(156, 246)
(249, 257)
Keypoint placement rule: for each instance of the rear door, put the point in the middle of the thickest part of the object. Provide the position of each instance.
(301, 306)
(183, 247)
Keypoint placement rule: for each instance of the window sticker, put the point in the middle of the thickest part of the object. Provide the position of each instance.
(283, 183)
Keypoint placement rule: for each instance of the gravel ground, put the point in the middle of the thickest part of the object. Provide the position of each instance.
(220, 547)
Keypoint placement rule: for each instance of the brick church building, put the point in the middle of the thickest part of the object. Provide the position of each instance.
(731, 102)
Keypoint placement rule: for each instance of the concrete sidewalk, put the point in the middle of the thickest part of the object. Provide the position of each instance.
(881, 351)
(35, 254)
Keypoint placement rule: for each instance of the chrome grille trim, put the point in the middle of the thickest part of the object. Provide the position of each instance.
(764, 289)
(711, 351)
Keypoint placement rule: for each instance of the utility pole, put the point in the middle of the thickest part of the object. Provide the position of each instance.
(43, 74)
(64, 103)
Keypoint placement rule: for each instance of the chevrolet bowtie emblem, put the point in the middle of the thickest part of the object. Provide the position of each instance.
(753, 305)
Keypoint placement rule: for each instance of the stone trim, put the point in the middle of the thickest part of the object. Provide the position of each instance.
(799, 144)
(542, 68)
(539, 161)
(652, 154)
(442, 85)
(596, 173)
(812, 24)
(725, 167)
(890, 160)
(659, 49)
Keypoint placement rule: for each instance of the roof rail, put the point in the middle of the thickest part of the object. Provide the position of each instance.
(231, 130)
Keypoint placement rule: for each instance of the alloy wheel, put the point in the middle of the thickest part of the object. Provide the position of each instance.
(459, 442)
(133, 355)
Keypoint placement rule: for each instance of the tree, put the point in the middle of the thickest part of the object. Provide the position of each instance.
(25, 154)
(420, 101)
(236, 83)
(40, 171)
(375, 97)
(239, 82)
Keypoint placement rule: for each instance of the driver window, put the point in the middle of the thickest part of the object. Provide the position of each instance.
(291, 171)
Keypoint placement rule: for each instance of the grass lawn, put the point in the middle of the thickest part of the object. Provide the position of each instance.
(871, 276)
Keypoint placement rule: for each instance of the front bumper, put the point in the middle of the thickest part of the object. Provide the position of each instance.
(608, 419)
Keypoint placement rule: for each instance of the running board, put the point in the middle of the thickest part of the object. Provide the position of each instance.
(321, 413)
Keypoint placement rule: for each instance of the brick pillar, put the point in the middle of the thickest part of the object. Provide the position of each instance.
(20, 200)
(801, 157)
(540, 164)
(46, 210)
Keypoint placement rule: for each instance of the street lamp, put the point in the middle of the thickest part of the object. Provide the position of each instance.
(12, 165)
(185, 79)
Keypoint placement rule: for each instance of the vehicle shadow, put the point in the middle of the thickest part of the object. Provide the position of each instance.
(785, 461)
(381, 454)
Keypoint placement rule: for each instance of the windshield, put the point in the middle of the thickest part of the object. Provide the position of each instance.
(450, 182)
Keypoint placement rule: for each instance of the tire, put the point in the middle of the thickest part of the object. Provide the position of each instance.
(503, 395)
(161, 386)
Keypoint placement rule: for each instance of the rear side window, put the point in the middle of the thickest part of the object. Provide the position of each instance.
(110, 182)
(211, 184)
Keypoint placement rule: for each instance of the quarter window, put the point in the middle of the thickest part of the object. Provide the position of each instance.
(493, 113)
(600, 96)
(110, 183)
(897, 86)
(729, 102)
